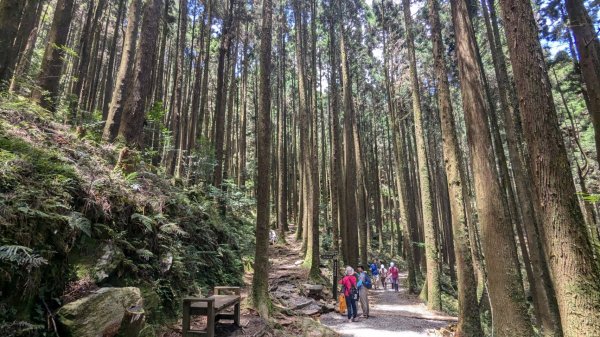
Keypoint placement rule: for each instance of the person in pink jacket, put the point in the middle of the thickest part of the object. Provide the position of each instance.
(394, 272)
(349, 283)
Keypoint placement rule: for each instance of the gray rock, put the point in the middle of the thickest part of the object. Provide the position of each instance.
(303, 304)
(101, 313)
(166, 262)
(108, 262)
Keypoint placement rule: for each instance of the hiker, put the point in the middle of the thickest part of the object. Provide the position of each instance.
(375, 274)
(350, 291)
(394, 271)
(363, 285)
(383, 275)
(272, 237)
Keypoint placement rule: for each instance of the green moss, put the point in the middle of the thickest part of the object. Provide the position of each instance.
(65, 203)
(449, 304)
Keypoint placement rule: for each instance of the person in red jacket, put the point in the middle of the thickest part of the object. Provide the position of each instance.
(349, 282)
(394, 271)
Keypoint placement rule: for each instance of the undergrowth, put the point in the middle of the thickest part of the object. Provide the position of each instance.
(69, 222)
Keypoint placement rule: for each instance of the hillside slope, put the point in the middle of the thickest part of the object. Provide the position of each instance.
(71, 222)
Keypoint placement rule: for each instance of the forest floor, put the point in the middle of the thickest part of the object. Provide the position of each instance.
(391, 313)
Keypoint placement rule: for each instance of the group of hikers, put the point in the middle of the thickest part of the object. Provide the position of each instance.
(356, 285)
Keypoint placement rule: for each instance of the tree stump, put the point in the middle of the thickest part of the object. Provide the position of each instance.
(126, 161)
(133, 322)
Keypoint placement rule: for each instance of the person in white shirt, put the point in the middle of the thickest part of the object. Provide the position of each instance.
(383, 275)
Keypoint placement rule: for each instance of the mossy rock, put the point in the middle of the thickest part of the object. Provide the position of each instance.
(312, 328)
(98, 262)
(99, 314)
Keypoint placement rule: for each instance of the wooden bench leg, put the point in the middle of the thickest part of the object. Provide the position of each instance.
(236, 315)
(186, 319)
(210, 320)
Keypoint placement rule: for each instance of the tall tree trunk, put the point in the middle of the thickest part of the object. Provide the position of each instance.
(95, 11)
(542, 292)
(399, 158)
(434, 300)
(200, 69)
(337, 191)
(159, 95)
(47, 93)
(134, 111)
(10, 18)
(221, 98)
(588, 48)
(468, 322)
(108, 87)
(311, 259)
(570, 257)
(505, 287)
(241, 179)
(282, 161)
(119, 94)
(178, 111)
(29, 30)
(351, 224)
(260, 284)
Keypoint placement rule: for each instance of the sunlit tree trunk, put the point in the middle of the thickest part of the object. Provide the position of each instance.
(588, 48)
(431, 247)
(468, 323)
(113, 119)
(574, 271)
(260, 280)
(504, 281)
(134, 111)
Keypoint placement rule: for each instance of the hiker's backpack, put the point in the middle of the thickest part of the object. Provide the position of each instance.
(367, 283)
(354, 293)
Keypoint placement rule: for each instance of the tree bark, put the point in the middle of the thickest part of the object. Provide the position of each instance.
(282, 157)
(504, 281)
(434, 300)
(10, 15)
(128, 53)
(221, 98)
(109, 85)
(566, 244)
(260, 284)
(85, 50)
(588, 48)
(543, 295)
(134, 112)
(337, 191)
(351, 224)
(28, 31)
(468, 322)
(47, 93)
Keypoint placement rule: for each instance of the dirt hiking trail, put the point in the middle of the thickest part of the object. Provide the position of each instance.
(391, 314)
(299, 314)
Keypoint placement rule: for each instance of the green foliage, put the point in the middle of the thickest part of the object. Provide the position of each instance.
(61, 203)
(591, 198)
(21, 256)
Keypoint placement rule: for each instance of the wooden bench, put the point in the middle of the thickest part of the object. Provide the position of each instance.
(214, 308)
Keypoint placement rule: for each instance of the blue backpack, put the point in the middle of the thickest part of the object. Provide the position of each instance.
(367, 283)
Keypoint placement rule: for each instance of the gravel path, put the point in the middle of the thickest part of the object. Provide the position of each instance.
(392, 314)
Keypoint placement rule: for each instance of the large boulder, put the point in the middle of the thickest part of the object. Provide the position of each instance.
(101, 313)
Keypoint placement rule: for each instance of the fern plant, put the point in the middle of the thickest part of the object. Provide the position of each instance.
(21, 256)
